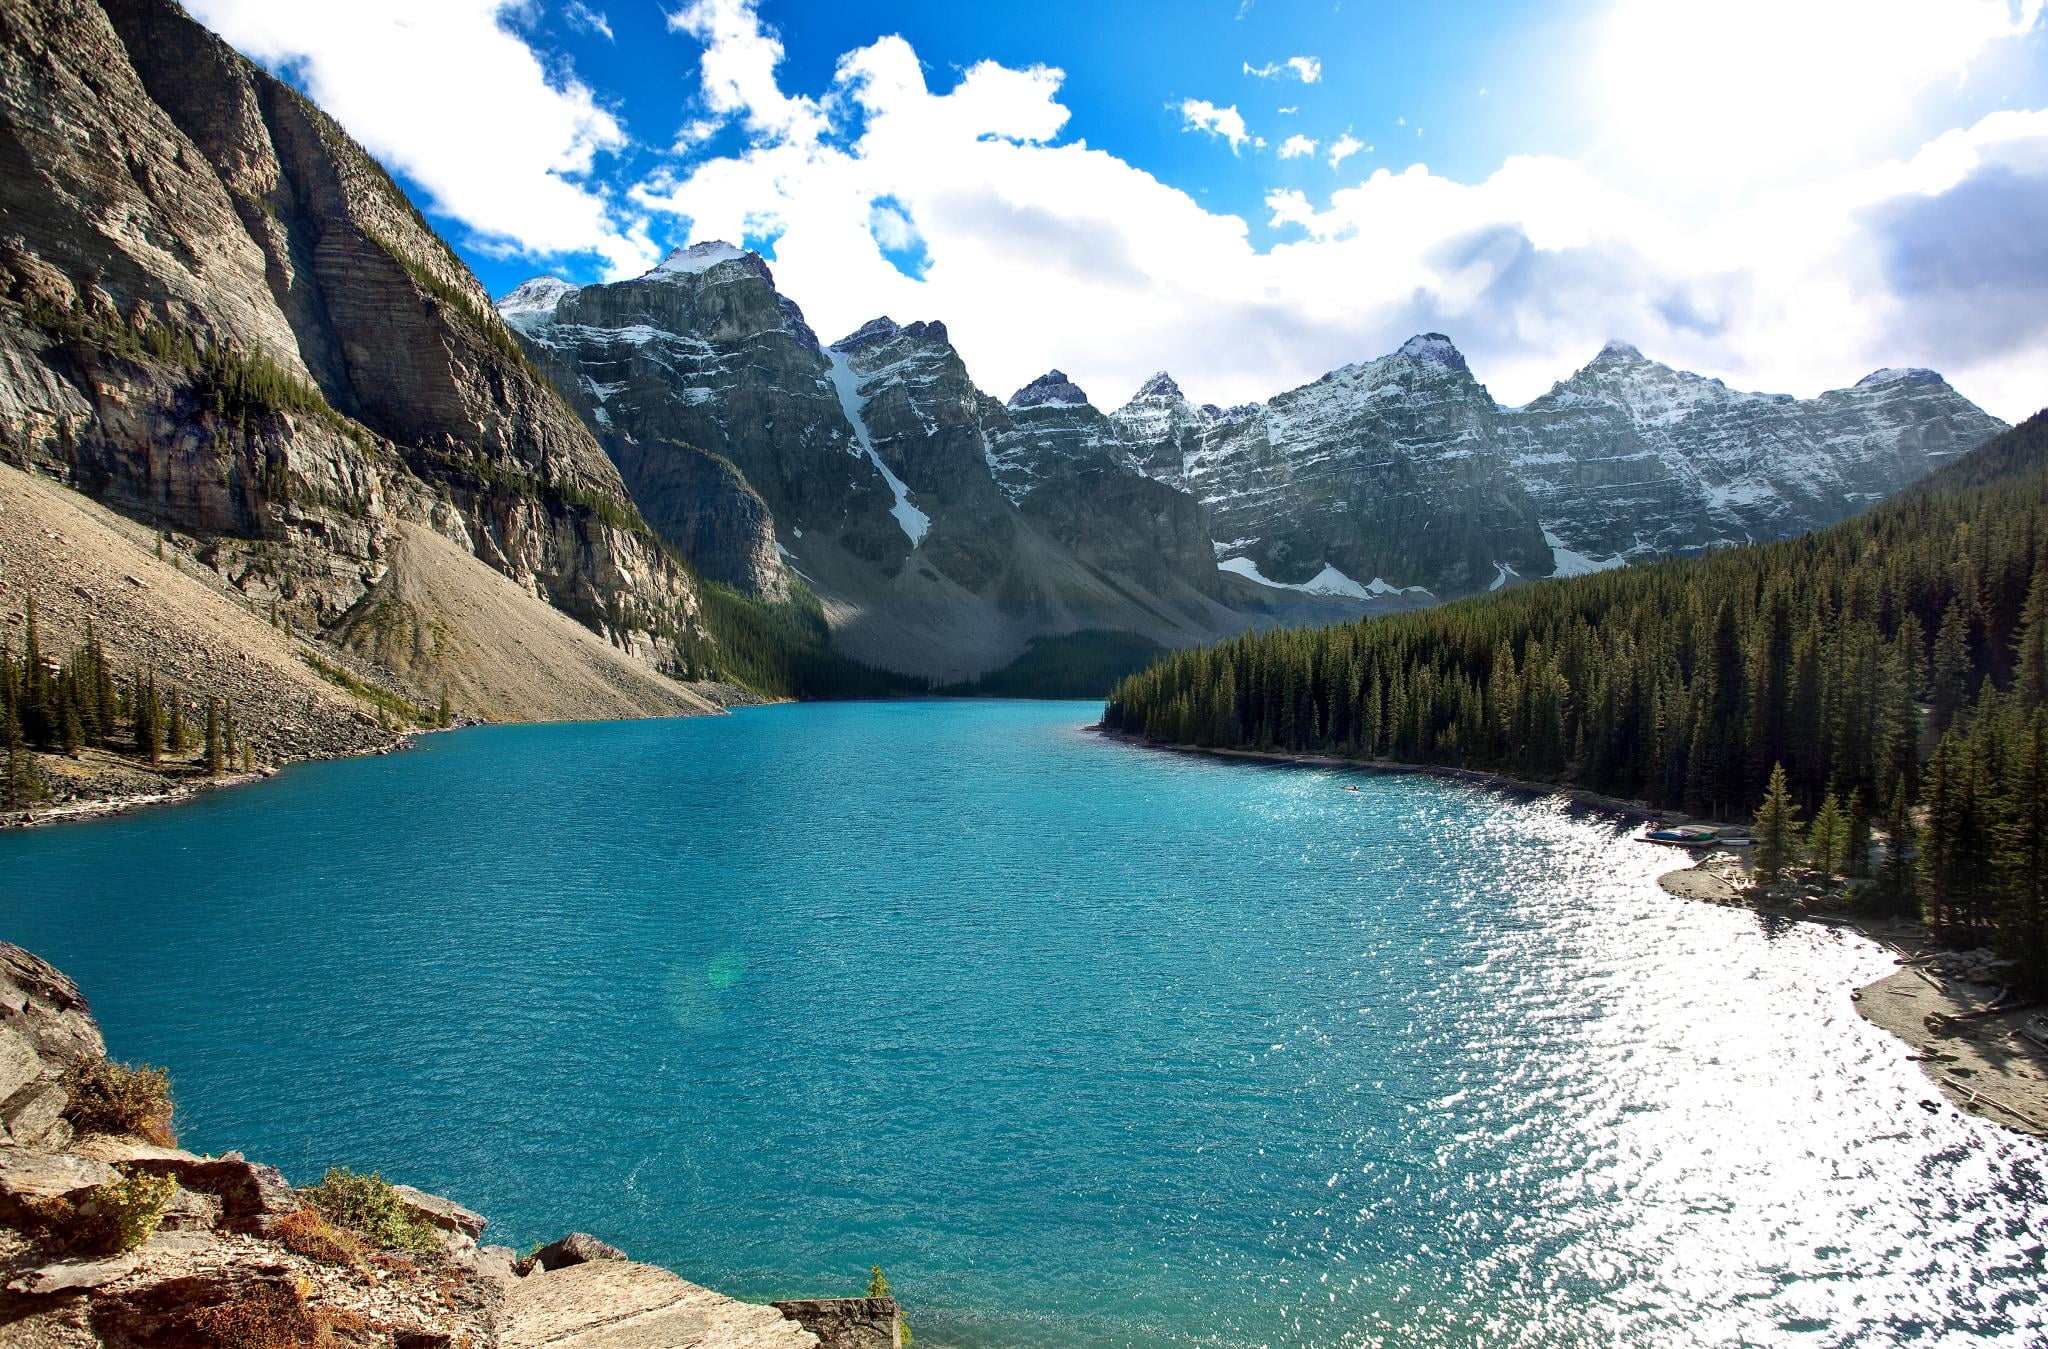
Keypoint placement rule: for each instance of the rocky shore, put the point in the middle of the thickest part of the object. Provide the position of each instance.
(117, 1238)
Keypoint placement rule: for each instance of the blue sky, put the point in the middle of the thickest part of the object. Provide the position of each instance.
(1787, 193)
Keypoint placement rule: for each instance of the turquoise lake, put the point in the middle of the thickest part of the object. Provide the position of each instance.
(1089, 1045)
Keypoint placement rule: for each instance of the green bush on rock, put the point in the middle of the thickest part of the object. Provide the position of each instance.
(115, 1217)
(371, 1208)
(105, 1097)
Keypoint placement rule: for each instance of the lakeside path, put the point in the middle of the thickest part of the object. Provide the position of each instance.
(1965, 1035)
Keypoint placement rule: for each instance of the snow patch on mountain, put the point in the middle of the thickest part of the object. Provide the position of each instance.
(1566, 562)
(1328, 581)
(915, 523)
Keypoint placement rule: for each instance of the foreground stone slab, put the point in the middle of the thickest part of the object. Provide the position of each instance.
(26, 1175)
(621, 1304)
(442, 1213)
(68, 1275)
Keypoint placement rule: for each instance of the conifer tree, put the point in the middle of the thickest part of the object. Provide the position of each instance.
(1856, 843)
(1951, 665)
(2022, 854)
(40, 723)
(1900, 872)
(2030, 646)
(149, 720)
(1827, 838)
(1777, 829)
(216, 745)
(23, 784)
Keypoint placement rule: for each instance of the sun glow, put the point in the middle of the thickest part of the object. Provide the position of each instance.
(1772, 89)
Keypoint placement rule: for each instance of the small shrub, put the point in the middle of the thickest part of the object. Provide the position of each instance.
(369, 1207)
(268, 1315)
(309, 1233)
(112, 1098)
(115, 1217)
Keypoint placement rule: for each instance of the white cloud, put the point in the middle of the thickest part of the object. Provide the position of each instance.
(737, 70)
(1344, 147)
(1307, 69)
(494, 140)
(1202, 115)
(585, 19)
(1294, 147)
(1287, 112)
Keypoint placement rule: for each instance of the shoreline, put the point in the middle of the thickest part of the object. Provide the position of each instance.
(1640, 811)
(1962, 1034)
(169, 790)
(178, 791)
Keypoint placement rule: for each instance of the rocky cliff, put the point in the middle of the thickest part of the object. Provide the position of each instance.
(219, 314)
(942, 529)
(111, 1235)
(1403, 472)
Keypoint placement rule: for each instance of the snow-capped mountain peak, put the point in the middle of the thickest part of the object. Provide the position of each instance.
(1160, 386)
(1900, 375)
(532, 303)
(868, 334)
(697, 258)
(1052, 387)
(1433, 349)
(1619, 351)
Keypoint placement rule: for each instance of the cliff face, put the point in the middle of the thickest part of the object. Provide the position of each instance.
(942, 529)
(702, 355)
(221, 314)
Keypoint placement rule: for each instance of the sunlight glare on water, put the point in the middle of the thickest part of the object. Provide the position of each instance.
(1089, 1045)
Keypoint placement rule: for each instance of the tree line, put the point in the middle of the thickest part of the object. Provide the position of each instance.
(62, 706)
(1893, 666)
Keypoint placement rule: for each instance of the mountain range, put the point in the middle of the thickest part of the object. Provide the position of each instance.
(922, 510)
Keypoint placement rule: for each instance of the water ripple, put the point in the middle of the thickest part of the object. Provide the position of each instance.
(1090, 1046)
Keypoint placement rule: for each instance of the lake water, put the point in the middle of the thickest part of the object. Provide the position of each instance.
(1088, 1045)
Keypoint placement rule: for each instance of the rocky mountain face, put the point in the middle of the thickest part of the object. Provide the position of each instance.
(217, 312)
(1629, 458)
(942, 529)
(1403, 473)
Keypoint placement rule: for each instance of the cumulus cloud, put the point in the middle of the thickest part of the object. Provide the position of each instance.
(1307, 69)
(1294, 147)
(496, 141)
(737, 70)
(1202, 115)
(1343, 148)
(587, 20)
